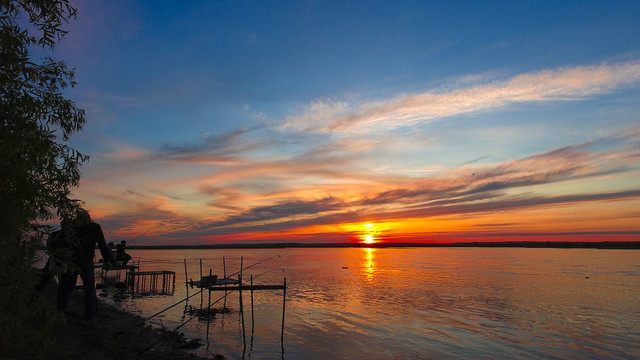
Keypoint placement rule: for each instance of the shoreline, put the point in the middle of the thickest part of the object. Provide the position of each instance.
(103, 339)
(611, 245)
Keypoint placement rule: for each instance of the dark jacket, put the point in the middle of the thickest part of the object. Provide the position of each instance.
(84, 241)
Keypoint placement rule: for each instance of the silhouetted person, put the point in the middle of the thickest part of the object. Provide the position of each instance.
(55, 242)
(112, 250)
(121, 255)
(82, 235)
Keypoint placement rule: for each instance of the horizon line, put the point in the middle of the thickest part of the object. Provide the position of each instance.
(522, 244)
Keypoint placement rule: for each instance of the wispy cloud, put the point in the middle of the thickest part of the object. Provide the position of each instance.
(233, 184)
(563, 84)
(222, 149)
(495, 188)
(317, 112)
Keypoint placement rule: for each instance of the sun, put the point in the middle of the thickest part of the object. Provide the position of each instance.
(368, 239)
(368, 234)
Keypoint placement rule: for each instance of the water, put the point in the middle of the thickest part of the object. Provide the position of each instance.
(414, 303)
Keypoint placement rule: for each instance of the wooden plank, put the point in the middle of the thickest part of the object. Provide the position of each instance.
(218, 282)
(226, 282)
(248, 287)
(142, 273)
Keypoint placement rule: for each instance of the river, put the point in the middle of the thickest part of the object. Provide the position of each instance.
(406, 303)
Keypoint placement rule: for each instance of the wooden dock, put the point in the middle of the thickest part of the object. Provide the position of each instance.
(151, 282)
(212, 283)
(227, 284)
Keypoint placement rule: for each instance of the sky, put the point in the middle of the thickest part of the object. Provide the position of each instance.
(214, 122)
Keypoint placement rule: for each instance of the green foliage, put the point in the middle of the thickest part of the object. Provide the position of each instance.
(27, 316)
(37, 168)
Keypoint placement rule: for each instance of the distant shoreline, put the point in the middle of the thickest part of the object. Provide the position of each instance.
(621, 245)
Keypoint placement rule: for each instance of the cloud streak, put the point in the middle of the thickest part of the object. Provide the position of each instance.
(340, 168)
(563, 84)
(496, 188)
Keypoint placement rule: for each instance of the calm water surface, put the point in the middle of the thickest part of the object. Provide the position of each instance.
(418, 303)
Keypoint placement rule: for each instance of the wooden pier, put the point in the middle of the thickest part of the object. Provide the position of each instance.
(227, 284)
(212, 283)
(248, 287)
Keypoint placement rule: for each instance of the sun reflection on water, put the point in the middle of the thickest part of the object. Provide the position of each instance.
(368, 262)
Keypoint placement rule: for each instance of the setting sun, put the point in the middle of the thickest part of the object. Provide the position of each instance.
(368, 234)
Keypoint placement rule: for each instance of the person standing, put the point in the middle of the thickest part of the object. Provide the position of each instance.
(82, 236)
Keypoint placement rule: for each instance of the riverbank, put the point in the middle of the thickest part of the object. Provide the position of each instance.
(103, 338)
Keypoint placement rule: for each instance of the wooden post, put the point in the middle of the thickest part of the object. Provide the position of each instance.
(244, 337)
(224, 274)
(252, 318)
(208, 309)
(186, 278)
(284, 294)
(201, 283)
(133, 277)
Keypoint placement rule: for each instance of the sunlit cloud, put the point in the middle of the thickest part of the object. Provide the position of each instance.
(222, 132)
(247, 184)
(563, 84)
(317, 112)
(471, 189)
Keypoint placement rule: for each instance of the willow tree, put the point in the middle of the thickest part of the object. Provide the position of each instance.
(38, 168)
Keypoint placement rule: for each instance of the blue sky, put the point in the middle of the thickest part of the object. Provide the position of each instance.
(305, 121)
